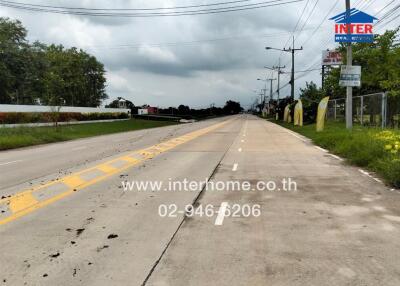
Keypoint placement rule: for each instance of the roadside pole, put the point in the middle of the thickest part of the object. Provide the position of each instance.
(293, 50)
(270, 89)
(349, 89)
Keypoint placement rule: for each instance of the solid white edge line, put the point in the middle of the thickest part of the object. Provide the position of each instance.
(336, 157)
(321, 149)
(364, 172)
(221, 214)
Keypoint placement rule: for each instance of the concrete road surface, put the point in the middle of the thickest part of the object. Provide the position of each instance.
(230, 201)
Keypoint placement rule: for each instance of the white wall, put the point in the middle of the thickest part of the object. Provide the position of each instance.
(43, 108)
(143, 111)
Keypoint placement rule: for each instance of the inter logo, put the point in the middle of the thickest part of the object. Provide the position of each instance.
(358, 27)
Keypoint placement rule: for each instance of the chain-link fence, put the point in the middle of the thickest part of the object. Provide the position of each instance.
(377, 110)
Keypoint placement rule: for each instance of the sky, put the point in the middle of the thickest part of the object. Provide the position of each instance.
(196, 60)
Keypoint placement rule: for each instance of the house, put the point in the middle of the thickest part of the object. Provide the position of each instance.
(147, 109)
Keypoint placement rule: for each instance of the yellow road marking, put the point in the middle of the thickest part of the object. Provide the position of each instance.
(106, 168)
(73, 181)
(24, 202)
(21, 202)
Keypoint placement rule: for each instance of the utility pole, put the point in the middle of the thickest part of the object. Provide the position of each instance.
(349, 89)
(270, 89)
(293, 50)
(279, 70)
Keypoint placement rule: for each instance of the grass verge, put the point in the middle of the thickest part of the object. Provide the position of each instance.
(11, 138)
(370, 148)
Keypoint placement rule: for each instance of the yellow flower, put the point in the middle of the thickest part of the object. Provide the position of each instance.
(388, 147)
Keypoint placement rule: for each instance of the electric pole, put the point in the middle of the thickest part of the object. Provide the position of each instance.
(279, 70)
(349, 89)
(270, 89)
(293, 50)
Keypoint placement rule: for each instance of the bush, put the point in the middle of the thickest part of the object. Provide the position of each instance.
(376, 150)
(47, 117)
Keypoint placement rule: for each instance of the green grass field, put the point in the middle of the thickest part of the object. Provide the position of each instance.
(370, 148)
(11, 138)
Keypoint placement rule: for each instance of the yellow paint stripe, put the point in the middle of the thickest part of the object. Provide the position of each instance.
(130, 159)
(28, 203)
(106, 168)
(21, 202)
(73, 181)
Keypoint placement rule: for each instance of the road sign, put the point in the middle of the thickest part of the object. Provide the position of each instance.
(350, 76)
(331, 58)
(357, 28)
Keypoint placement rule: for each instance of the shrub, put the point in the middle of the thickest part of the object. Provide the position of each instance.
(48, 117)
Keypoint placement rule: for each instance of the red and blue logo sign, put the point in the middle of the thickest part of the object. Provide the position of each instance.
(357, 28)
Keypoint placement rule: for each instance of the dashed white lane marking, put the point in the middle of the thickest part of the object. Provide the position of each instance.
(321, 149)
(221, 214)
(242, 141)
(336, 157)
(79, 148)
(240, 149)
(11, 162)
(295, 135)
(364, 172)
(369, 175)
(235, 166)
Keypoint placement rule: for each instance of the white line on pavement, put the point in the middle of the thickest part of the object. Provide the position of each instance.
(242, 141)
(364, 172)
(221, 214)
(295, 135)
(240, 149)
(11, 162)
(235, 166)
(321, 149)
(336, 157)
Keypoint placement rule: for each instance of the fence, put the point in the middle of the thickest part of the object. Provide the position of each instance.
(377, 110)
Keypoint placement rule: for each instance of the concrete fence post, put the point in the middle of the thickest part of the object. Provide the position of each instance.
(362, 110)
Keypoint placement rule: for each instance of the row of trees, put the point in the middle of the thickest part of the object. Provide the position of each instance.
(230, 107)
(53, 75)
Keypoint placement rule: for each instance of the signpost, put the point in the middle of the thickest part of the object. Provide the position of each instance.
(350, 76)
(352, 26)
(331, 58)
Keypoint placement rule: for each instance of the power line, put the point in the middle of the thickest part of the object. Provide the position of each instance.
(308, 18)
(320, 24)
(125, 9)
(154, 14)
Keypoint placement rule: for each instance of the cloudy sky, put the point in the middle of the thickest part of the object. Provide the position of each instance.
(196, 60)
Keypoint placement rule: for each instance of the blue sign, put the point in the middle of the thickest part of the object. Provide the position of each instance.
(357, 28)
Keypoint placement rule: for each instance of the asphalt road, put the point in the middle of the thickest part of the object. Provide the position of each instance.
(65, 218)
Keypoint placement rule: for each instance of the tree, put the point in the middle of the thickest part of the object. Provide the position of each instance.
(380, 63)
(232, 107)
(33, 72)
(12, 44)
(310, 96)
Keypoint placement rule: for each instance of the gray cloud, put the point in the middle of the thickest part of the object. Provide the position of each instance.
(195, 72)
